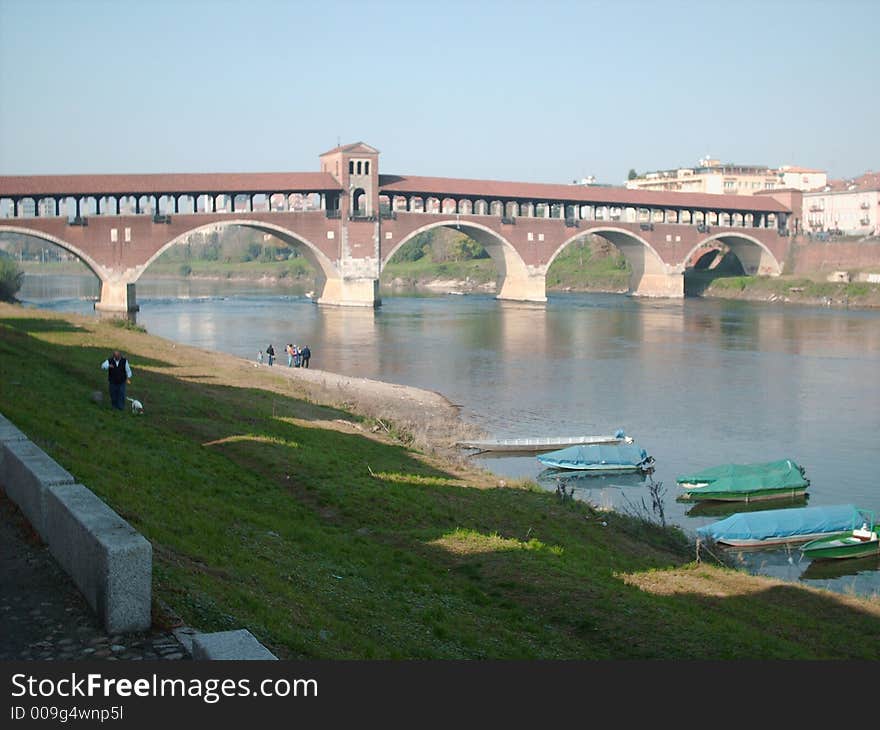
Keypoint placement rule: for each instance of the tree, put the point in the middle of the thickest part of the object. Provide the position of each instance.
(465, 248)
(415, 248)
(632, 174)
(11, 278)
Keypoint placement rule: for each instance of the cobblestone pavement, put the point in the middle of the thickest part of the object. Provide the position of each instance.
(45, 617)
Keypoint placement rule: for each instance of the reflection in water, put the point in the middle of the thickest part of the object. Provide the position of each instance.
(696, 383)
(549, 478)
(713, 508)
(828, 569)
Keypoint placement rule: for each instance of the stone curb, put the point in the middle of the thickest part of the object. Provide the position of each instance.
(109, 561)
(27, 472)
(236, 645)
(9, 431)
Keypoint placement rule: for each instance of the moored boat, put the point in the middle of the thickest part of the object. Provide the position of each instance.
(550, 443)
(599, 458)
(779, 526)
(746, 482)
(858, 542)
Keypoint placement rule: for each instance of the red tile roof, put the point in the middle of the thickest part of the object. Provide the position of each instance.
(584, 194)
(252, 182)
(868, 181)
(356, 147)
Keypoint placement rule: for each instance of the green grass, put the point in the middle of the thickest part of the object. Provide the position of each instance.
(478, 271)
(792, 287)
(589, 266)
(326, 543)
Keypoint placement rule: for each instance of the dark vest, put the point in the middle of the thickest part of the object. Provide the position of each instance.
(116, 373)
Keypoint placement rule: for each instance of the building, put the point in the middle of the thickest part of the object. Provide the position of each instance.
(713, 176)
(850, 207)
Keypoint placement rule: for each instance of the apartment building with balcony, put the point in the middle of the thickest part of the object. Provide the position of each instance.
(849, 206)
(714, 176)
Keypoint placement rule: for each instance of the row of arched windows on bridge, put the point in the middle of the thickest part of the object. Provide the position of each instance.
(574, 212)
(79, 207)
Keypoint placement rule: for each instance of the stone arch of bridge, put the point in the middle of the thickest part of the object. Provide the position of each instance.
(650, 274)
(753, 255)
(516, 280)
(98, 270)
(324, 267)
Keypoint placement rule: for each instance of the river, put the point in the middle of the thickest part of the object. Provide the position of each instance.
(695, 382)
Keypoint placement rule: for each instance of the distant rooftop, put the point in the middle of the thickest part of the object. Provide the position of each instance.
(868, 181)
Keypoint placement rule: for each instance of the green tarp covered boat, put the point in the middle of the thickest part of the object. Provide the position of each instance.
(746, 482)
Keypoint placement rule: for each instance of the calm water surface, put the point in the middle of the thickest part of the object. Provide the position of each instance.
(696, 383)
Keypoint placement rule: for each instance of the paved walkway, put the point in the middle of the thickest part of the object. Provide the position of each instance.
(45, 617)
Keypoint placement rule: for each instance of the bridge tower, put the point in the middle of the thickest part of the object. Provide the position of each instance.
(356, 168)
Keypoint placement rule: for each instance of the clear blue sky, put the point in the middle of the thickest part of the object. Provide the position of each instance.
(529, 91)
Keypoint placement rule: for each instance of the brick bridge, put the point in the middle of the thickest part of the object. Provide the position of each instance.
(348, 221)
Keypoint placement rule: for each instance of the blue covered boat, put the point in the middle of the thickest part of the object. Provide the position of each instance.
(599, 457)
(779, 526)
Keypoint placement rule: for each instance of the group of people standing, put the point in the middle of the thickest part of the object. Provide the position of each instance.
(296, 356)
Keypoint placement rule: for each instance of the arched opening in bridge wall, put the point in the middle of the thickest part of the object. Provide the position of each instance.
(84, 263)
(324, 269)
(727, 254)
(650, 276)
(514, 279)
(755, 258)
(589, 263)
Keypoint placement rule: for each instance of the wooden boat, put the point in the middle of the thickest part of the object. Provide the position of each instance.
(532, 445)
(746, 482)
(779, 526)
(858, 542)
(599, 458)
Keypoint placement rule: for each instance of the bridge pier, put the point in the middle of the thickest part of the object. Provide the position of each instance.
(117, 297)
(523, 288)
(343, 292)
(667, 285)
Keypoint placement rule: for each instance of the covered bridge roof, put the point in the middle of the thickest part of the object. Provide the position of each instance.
(162, 183)
(584, 194)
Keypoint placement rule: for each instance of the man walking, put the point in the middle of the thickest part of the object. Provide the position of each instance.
(118, 374)
(305, 353)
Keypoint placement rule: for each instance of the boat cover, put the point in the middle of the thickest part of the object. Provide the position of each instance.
(596, 456)
(783, 474)
(772, 523)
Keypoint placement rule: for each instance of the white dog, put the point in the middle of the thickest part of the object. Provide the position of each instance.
(136, 405)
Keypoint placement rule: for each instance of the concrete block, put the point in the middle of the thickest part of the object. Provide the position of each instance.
(229, 645)
(110, 562)
(9, 431)
(26, 472)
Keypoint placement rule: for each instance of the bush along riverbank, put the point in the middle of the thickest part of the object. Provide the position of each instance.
(271, 507)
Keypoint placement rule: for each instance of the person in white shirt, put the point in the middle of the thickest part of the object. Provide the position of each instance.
(118, 374)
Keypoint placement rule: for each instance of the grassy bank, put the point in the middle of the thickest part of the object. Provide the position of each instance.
(328, 539)
(784, 289)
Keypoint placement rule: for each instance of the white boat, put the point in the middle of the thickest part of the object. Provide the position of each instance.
(532, 445)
